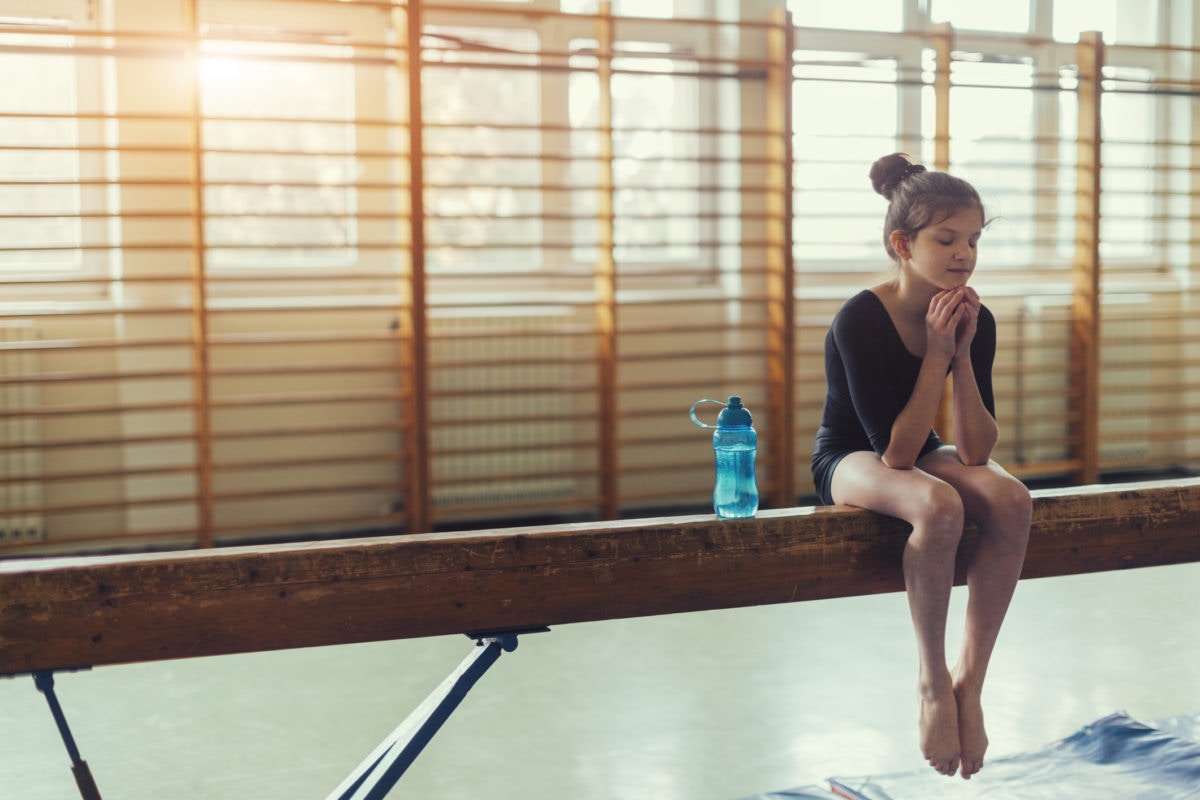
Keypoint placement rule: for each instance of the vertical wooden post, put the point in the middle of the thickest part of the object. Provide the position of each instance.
(781, 275)
(1085, 302)
(413, 325)
(199, 290)
(943, 44)
(606, 278)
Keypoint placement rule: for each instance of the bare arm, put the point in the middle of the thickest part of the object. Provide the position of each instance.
(975, 429)
(912, 425)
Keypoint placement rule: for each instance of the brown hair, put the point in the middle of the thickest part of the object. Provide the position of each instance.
(917, 197)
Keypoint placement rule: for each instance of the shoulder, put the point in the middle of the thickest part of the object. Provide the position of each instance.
(864, 300)
(862, 306)
(862, 319)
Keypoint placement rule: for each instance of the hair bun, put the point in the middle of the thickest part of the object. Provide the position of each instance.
(890, 171)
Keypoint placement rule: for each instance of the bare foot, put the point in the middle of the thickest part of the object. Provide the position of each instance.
(939, 730)
(971, 734)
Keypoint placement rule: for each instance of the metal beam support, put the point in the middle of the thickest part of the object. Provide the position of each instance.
(79, 768)
(387, 763)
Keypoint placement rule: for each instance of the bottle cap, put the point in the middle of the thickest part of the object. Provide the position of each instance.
(734, 414)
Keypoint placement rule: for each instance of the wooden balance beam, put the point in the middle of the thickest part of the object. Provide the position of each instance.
(65, 613)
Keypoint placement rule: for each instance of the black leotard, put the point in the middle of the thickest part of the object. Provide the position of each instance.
(869, 376)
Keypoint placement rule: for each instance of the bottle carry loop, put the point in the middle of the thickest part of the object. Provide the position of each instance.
(692, 412)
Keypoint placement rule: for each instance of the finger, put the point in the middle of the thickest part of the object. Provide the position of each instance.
(944, 296)
(947, 320)
(944, 302)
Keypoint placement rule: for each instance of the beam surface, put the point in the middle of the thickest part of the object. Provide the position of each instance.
(63, 613)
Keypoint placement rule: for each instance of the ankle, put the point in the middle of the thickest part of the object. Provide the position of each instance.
(934, 685)
(967, 683)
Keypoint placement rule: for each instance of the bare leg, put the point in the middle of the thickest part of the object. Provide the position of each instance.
(1000, 507)
(935, 511)
(928, 576)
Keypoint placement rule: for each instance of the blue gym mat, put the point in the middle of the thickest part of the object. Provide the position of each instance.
(1114, 758)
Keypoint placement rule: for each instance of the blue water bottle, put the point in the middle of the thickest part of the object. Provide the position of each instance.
(735, 491)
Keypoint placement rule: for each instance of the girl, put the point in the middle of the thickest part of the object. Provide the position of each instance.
(887, 356)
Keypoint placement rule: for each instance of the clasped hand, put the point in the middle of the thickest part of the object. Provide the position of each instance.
(951, 321)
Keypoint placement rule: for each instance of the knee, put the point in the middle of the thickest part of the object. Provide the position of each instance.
(1011, 505)
(940, 516)
(1010, 510)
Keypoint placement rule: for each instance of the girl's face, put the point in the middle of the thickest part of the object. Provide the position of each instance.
(944, 253)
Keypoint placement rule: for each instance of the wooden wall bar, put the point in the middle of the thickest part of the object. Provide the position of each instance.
(1085, 305)
(943, 46)
(414, 325)
(79, 612)
(606, 279)
(781, 269)
(199, 317)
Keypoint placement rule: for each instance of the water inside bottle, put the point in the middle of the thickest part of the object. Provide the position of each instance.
(735, 496)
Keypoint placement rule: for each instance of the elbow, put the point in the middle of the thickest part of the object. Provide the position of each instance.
(974, 456)
(891, 462)
(977, 456)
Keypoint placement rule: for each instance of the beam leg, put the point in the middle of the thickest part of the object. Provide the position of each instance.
(379, 772)
(79, 768)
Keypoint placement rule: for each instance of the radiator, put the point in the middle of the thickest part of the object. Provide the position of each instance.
(21, 492)
(488, 368)
(1127, 393)
(1043, 347)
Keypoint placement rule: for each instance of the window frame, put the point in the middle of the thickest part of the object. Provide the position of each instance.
(79, 277)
